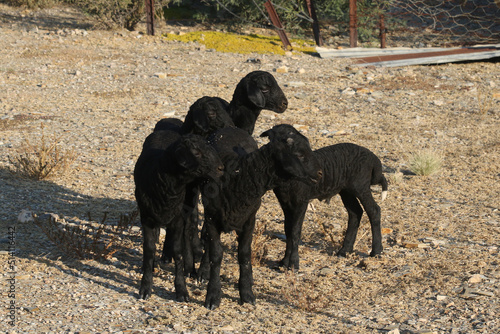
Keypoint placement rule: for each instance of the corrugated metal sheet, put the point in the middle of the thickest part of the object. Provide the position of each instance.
(408, 56)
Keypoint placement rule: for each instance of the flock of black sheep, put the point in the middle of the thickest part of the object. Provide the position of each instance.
(212, 154)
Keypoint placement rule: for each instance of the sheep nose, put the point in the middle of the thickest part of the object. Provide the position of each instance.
(320, 174)
(284, 104)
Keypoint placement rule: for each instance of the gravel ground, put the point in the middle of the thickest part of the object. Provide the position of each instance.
(100, 94)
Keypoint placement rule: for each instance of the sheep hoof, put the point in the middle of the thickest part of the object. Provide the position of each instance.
(182, 297)
(144, 293)
(342, 253)
(247, 298)
(212, 303)
(376, 253)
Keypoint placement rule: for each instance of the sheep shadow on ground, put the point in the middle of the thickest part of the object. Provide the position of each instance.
(119, 271)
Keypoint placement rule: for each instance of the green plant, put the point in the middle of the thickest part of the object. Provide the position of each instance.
(42, 160)
(425, 163)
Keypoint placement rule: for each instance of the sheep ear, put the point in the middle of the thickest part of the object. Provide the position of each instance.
(255, 95)
(268, 133)
(187, 158)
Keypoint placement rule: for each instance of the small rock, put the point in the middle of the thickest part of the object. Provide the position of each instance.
(440, 297)
(295, 84)
(326, 272)
(476, 278)
(301, 71)
(349, 91)
(282, 69)
(386, 230)
(26, 216)
(160, 75)
(393, 331)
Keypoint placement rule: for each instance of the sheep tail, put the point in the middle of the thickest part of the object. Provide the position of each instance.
(383, 183)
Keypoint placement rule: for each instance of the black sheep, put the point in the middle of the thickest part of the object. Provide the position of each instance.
(256, 91)
(250, 172)
(168, 162)
(348, 170)
(205, 116)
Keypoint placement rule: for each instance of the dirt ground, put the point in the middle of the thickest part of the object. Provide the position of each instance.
(99, 94)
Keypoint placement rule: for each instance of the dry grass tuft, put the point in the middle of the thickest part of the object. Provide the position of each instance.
(259, 243)
(42, 160)
(305, 295)
(425, 163)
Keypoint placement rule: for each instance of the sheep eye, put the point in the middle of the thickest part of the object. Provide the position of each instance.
(264, 90)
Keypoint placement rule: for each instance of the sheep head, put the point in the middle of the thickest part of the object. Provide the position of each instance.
(293, 154)
(262, 91)
(197, 158)
(207, 115)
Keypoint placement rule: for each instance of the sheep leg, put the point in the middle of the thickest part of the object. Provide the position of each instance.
(245, 261)
(167, 254)
(181, 292)
(149, 249)
(355, 212)
(213, 298)
(373, 211)
(294, 218)
(193, 249)
(203, 273)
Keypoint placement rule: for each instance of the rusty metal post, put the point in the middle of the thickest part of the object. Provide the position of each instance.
(353, 24)
(277, 23)
(315, 25)
(383, 32)
(150, 17)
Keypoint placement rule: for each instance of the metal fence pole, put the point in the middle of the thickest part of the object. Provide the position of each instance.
(383, 31)
(277, 23)
(312, 12)
(353, 24)
(150, 17)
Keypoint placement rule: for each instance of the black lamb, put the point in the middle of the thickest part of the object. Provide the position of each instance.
(233, 206)
(348, 170)
(204, 117)
(168, 162)
(256, 91)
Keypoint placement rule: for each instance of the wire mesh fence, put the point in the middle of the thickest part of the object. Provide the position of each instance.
(452, 22)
